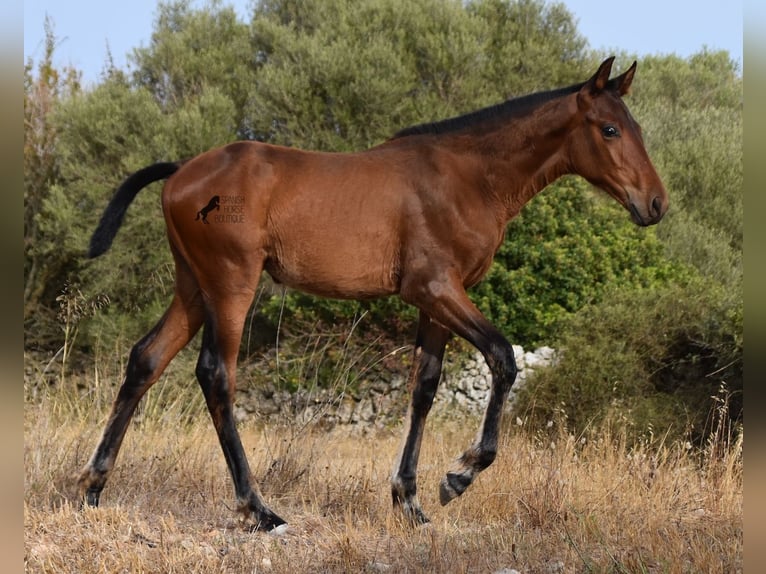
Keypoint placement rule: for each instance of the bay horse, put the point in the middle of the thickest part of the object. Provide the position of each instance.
(419, 216)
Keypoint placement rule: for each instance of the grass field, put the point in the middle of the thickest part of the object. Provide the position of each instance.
(551, 503)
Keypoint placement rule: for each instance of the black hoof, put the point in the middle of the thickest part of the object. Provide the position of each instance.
(91, 498)
(452, 486)
(414, 515)
(410, 509)
(267, 522)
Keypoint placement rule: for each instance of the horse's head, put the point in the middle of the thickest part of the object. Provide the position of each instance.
(608, 150)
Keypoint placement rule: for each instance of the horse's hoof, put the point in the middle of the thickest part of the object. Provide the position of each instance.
(452, 486)
(92, 497)
(410, 508)
(415, 516)
(267, 521)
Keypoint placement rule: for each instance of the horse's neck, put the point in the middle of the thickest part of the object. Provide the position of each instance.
(526, 155)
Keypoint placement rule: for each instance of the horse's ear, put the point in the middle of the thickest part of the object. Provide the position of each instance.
(596, 84)
(624, 81)
(599, 80)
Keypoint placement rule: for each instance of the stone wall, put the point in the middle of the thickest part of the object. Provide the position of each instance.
(463, 390)
(468, 386)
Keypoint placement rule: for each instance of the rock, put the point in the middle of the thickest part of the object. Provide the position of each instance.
(381, 400)
(554, 567)
(518, 352)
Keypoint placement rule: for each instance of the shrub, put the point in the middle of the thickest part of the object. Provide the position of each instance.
(652, 358)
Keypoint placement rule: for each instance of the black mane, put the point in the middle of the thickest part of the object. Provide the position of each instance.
(504, 111)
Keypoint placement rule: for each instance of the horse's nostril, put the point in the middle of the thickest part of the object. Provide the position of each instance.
(656, 206)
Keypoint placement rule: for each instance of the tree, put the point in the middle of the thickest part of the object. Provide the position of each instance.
(344, 75)
(194, 51)
(692, 119)
(530, 45)
(341, 74)
(43, 93)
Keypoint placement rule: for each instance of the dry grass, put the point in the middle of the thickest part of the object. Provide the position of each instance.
(551, 503)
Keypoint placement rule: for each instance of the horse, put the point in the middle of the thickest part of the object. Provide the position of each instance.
(214, 203)
(419, 216)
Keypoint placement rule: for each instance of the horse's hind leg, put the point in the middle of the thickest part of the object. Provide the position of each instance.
(216, 372)
(148, 359)
(424, 379)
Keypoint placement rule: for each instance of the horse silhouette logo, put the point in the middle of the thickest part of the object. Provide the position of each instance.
(214, 203)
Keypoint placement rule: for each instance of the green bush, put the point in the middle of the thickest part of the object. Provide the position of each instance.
(346, 74)
(691, 114)
(651, 358)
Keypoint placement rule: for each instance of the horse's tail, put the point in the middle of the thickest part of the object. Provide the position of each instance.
(114, 213)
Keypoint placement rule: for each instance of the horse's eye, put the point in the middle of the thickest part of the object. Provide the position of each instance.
(609, 131)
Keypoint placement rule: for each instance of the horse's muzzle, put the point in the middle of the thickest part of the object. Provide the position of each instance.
(655, 212)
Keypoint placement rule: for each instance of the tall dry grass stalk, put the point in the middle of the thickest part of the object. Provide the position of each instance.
(551, 502)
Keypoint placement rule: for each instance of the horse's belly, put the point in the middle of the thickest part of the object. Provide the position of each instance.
(336, 272)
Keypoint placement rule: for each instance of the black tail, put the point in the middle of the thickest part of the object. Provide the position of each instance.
(114, 213)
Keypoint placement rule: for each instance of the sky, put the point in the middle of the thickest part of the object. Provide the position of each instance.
(88, 30)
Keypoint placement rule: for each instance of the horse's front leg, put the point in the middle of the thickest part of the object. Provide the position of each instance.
(482, 452)
(424, 379)
(447, 302)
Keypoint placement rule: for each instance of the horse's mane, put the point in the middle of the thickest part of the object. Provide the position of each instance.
(504, 111)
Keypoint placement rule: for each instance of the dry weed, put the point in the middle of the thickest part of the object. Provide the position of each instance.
(551, 503)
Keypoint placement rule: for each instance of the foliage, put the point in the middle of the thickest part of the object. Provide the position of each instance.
(118, 128)
(342, 75)
(651, 358)
(193, 52)
(691, 111)
(42, 93)
(530, 46)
